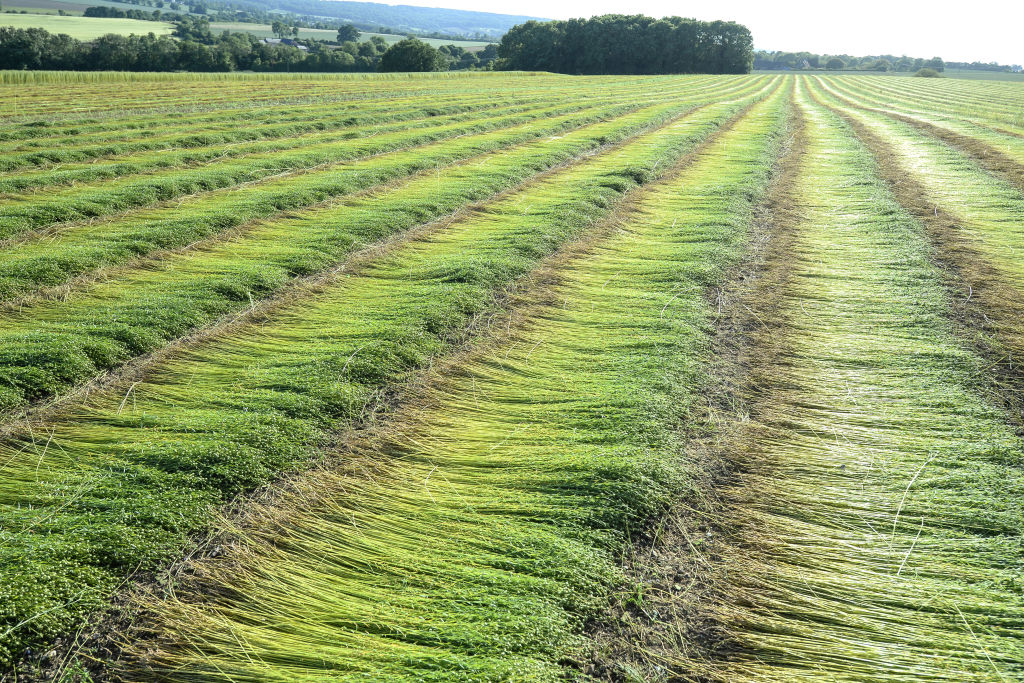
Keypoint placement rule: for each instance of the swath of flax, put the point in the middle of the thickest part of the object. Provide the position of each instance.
(1000, 154)
(123, 479)
(53, 346)
(877, 514)
(472, 539)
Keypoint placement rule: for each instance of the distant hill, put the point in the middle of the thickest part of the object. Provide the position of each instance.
(400, 17)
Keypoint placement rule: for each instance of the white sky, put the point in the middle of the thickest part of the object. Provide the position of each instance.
(978, 30)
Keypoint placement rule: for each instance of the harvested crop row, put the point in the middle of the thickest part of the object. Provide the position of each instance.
(186, 130)
(169, 130)
(128, 475)
(37, 262)
(108, 100)
(282, 182)
(1004, 152)
(107, 96)
(873, 526)
(998, 107)
(145, 154)
(83, 247)
(134, 164)
(54, 345)
(107, 112)
(21, 213)
(989, 209)
(184, 138)
(473, 537)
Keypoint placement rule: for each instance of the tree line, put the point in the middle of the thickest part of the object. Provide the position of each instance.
(194, 47)
(811, 61)
(620, 44)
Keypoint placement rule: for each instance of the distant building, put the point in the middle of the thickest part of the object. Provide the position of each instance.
(286, 41)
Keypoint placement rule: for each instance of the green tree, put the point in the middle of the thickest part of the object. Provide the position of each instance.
(936, 63)
(835, 64)
(348, 33)
(412, 55)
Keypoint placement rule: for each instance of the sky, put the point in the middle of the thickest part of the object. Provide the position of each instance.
(982, 30)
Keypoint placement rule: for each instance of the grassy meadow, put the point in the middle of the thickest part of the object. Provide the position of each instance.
(85, 28)
(44, 14)
(428, 378)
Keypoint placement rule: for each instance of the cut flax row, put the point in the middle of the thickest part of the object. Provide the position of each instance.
(77, 148)
(995, 106)
(472, 537)
(122, 480)
(1001, 150)
(51, 346)
(268, 173)
(874, 523)
(32, 260)
(989, 210)
(240, 115)
(270, 145)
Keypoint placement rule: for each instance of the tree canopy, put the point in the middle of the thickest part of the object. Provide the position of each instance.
(195, 47)
(348, 33)
(412, 55)
(620, 44)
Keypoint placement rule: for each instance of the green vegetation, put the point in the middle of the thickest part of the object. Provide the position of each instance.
(266, 31)
(509, 376)
(85, 28)
(506, 460)
(49, 348)
(411, 55)
(196, 46)
(315, 365)
(619, 44)
(908, 568)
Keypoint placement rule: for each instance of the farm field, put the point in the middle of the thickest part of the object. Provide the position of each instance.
(43, 14)
(72, 7)
(86, 28)
(960, 74)
(265, 31)
(511, 376)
